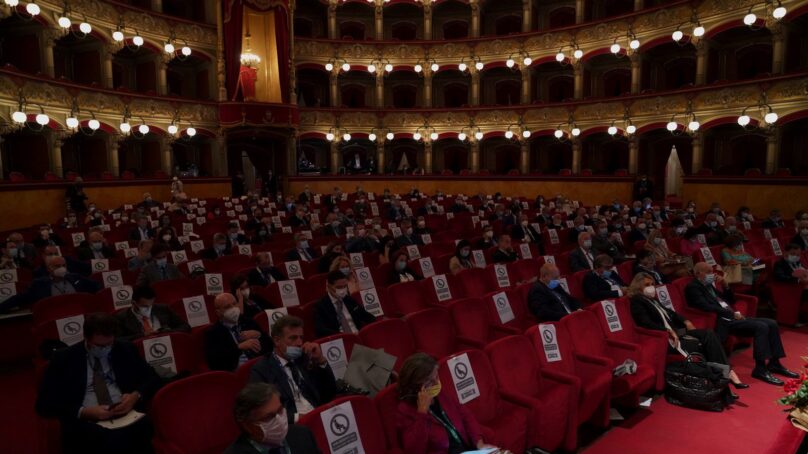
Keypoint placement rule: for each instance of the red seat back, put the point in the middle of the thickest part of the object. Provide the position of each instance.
(433, 332)
(513, 361)
(371, 431)
(615, 319)
(406, 297)
(475, 282)
(386, 402)
(485, 407)
(393, 335)
(566, 363)
(187, 353)
(61, 306)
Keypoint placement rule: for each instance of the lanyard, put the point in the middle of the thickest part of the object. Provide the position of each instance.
(446, 423)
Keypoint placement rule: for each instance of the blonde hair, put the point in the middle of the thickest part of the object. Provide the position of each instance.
(638, 284)
(335, 264)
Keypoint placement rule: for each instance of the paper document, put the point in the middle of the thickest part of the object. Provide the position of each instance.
(123, 421)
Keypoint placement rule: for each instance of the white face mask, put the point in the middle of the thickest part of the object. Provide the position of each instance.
(340, 292)
(60, 272)
(145, 311)
(231, 315)
(649, 291)
(274, 431)
(245, 292)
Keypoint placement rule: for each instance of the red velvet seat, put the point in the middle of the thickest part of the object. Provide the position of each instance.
(429, 294)
(588, 339)
(550, 395)
(524, 270)
(386, 402)
(473, 325)
(174, 290)
(61, 306)
(517, 299)
(195, 415)
(434, 333)
(475, 282)
(406, 297)
(370, 429)
(233, 263)
(507, 421)
(652, 344)
(187, 352)
(594, 375)
(787, 298)
(393, 335)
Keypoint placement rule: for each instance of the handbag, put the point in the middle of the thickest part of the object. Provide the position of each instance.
(695, 383)
(733, 274)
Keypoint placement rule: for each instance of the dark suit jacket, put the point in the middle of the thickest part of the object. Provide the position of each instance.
(645, 315)
(637, 235)
(317, 384)
(325, 316)
(221, 350)
(698, 296)
(41, 288)
(545, 306)
(518, 233)
(84, 252)
(294, 254)
(53, 239)
(257, 277)
(714, 237)
(799, 240)
(209, 253)
(768, 223)
(597, 288)
(337, 231)
(578, 260)
(63, 386)
(134, 233)
(659, 278)
(130, 326)
(295, 221)
(408, 240)
(503, 257)
(782, 272)
(73, 267)
(299, 440)
(486, 244)
(150, 273)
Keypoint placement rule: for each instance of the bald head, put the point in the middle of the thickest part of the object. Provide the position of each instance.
(548, 272)
(701, 269)
(95, 236)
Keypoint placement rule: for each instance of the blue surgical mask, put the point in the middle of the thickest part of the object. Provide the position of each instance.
(709, 279)
(793, 258)
(401, 265)
(587, 244)
(161, 262)
(293, 352)
(100, 352)
(346, 270)
(553, 284)
(607, 273)
(304, 244)
(97, 245)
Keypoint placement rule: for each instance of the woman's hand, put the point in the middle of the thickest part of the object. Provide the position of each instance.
(673, 337)
(689, 325)
(424, 400)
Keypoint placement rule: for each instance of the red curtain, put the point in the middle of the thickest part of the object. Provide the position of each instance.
(232, 19)
(282, 39)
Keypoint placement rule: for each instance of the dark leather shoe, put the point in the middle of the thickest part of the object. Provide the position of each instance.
(740, 385)
(767, 377)
(734, 396)
(779, 370)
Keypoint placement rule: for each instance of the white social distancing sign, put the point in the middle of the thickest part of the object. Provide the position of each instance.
(463, 378)
(341, 431)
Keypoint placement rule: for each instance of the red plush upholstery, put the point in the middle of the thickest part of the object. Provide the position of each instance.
(62, 306)
(406, 297)
(429, 295)
(787, 298)
(393, 336)
(173, 290)
(517, 298)
(653, 345)
(195, 415)
(550, 396)
(386, 402)
(433, 332)
(472, 324)
(589, 340)
(475, 282)
(593, 373)
(507, 420)
(371, 431)
(187, 353)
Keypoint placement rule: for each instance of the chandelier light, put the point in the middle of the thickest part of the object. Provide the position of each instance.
(678, 35)
(125, 127)
(94, 124)
(631, 129)
(418, 68)
(526, 134)
(372, 137)
(750, 19)
(85, 28)
(416, 136)
(461, 136)
(509, 63)
(137, 40)
(634, 44)
(672, 126)
(509, 134)
(615, 48)
(698, 31)
(33, 9)
(434, 67)
(479, 65)
(388, 67)
(191, 131)
(346, 137)
(744, 120)
(693, 125)
(527, 61)
(117, 36)
(612, 130)
(478, 135)
(329, 136)
(770, 118)
(433, 136)
(390, 136)
(72, 122)
(462, 66)
(173, 129)
(346, 67)
(168, 47)
(558, 133)
(371, 68)
(12, 3)
(779, 12)
(186, 51)
(64, 22)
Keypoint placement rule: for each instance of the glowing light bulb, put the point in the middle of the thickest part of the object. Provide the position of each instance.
(85, 28)
(172, 129)
(371, 69)
(346, 67)
(190, 131)
(117, 36)
(750, 19)
(744, 120)
(42, 119)
(434, 67)
(634, 44)
(169, 48)
(418, 68)
(527, 61)
(698, 32)
(615, 48)
(694, 125)
(186, 51)
(416, 136)
(12, 2)
(461, 136)
(478, 135)
(94, 124)
(329, 137)
(612, 130)
(372, 137)
(678, 35)
(479, 65)
(143, 129)
(72, 122)
(578, 53)
(526, 134)
(509, 134)
(433, 136)
(346, 137)
(64, 22)
(462, 67)
(33, 9)
(560, 57)
(125, 127)
(329, 67)
(671, 126)
(390, 136)
(558, 133)
(779, 12)
(137, 40)
(631, 129)
(576, 132)
(770, 118)
(509, 63)
(388, 67)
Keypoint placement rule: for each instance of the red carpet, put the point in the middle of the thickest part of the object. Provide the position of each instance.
(750, 426)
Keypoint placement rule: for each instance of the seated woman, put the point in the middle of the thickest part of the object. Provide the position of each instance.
(251, 304)
(343, 265)
(462, 257)
(670, 265)
(168, 237)
(648, 312)
(734, 254)
(332, 251)
(428, 420)
(386, 247)
(690, 242)
(401, 272)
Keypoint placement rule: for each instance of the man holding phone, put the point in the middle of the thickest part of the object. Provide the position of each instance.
(298, 369)
(100, 379)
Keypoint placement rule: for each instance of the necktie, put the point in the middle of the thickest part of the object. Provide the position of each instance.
(561, 300)
(147, 327)
(295, 373)
(163, 272)
(343, 322)
(305, 254)
(100, 384)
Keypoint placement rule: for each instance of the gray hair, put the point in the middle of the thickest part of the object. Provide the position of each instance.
(252, 397)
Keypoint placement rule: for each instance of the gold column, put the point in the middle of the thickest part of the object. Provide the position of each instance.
(427, 87)
(527, 16)
(633, 153)
(46, 41)
(332, 19)
(525, 85)
(221, 144)
(107, 53)
(772, 152)
(778, 48)
(291, 154)
(698, 152)
(56, 153)
(334, 87)
(578, 74)
(335, 156)
(165, 156)
(636, 73)
(702, 52)
(380, 156)
(475, 85)
(113, 158)
(380, 87)
(427, 19)
(162, 82)
(524, 157)
(576, 156)
(157, 5)
(292, 69)
(379, 18)
(475, 18)
(220, 67)
(475, 156)
(428, 157)
(579, 11)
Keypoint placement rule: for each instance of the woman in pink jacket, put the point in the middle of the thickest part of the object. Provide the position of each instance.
(430, 421)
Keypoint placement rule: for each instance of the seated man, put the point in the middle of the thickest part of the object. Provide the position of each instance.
(504, 252)
(801, 238)
(788, 269)
(337, 312)
(57, 282)
(218, 249)
(299, 219)
(332, 226)
(603, 282)
(774, 221)
(646, 263)
(362, 241)
(302, 251)
(142, 231)
(711, 231)
(547, 299)
(95, 247)
(143, 256)
(408, 236)
(99, 379)
(264, 426)
(298, 369)
(488, 240)
(525, 232)
(582, 257)
(708, 292)
(234, 237)
(73, 266)
(249, 303)
(46, 238)
(158, 269)
(234, 339)
(604, 242)
(25, 252)
(11, 257)
(145, 318)
(264, 272)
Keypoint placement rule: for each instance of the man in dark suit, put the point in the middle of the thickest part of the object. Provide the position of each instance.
(332, 226)
(395, 213)
(57, 282)
(95, 247)
(643, 188)
(337, 312)
(158, 269)
(217, 249)
(234, 237)
(299, 219)
(145, 318)
(504, 252)
(488, 240)
(801, 238)
(603, 282)
(547, 299)
(142, 231)
(788, 269)
(524, 232)
(235, 338)
(711, 231)
(578, 227)
(73, 266)
(25, 253)
(298, 369)
(774, 221)
(709, 293)
(264, 427)
(408, 236)
(646, 263)
(302, 251)
(264, 272)
(604, 242)
(582, 257)
(99, 379)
